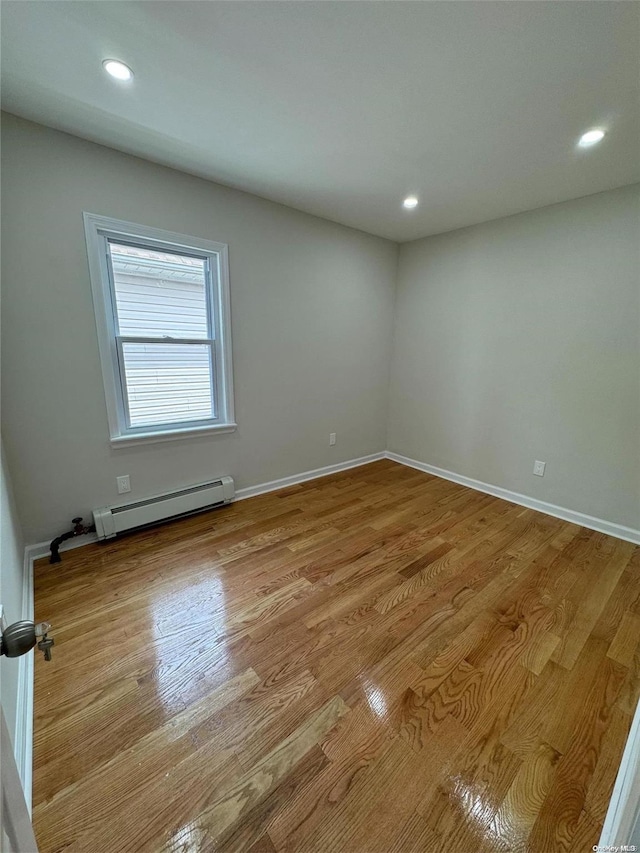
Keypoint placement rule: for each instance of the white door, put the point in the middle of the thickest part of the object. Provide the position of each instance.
(17, 832)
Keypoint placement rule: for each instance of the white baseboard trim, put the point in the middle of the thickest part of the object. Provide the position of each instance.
(623, 814)
(599, 524)
(283, 482)
(23, 740)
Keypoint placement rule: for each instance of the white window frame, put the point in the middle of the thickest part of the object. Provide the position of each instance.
(98, 231)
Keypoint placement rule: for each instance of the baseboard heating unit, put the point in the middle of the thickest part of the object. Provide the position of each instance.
(111, 520)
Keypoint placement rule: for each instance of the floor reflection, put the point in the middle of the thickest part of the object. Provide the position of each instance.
(376, 700)
(188, 625)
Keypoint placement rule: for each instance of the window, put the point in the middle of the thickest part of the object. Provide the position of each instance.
(162, 314)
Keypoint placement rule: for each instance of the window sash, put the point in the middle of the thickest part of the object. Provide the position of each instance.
(213, 382)
(211, 277)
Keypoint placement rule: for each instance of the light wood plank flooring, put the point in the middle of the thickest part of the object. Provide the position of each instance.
(374, 661)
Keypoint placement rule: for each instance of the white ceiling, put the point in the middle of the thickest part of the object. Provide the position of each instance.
(343, 108)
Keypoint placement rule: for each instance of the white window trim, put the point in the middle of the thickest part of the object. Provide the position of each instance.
(95, 227)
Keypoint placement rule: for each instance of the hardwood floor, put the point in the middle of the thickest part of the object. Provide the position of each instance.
(375, 661)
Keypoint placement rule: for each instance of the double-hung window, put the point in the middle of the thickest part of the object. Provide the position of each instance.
(164, 330)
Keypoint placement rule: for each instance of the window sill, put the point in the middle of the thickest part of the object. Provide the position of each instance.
(170, 435)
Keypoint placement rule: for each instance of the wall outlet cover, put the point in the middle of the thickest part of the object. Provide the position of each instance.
(538, 468)
(124, 484)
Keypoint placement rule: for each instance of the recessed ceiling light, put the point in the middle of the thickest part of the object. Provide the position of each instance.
(410, 202)
(591, 137)
(117, 69)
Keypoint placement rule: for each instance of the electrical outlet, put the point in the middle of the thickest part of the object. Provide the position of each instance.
(124, 484)
(538, 468)
(332, 439)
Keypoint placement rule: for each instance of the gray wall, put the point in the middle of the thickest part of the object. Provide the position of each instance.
(515, 340)
(312, 306)
(11, 588)
(519, 339)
